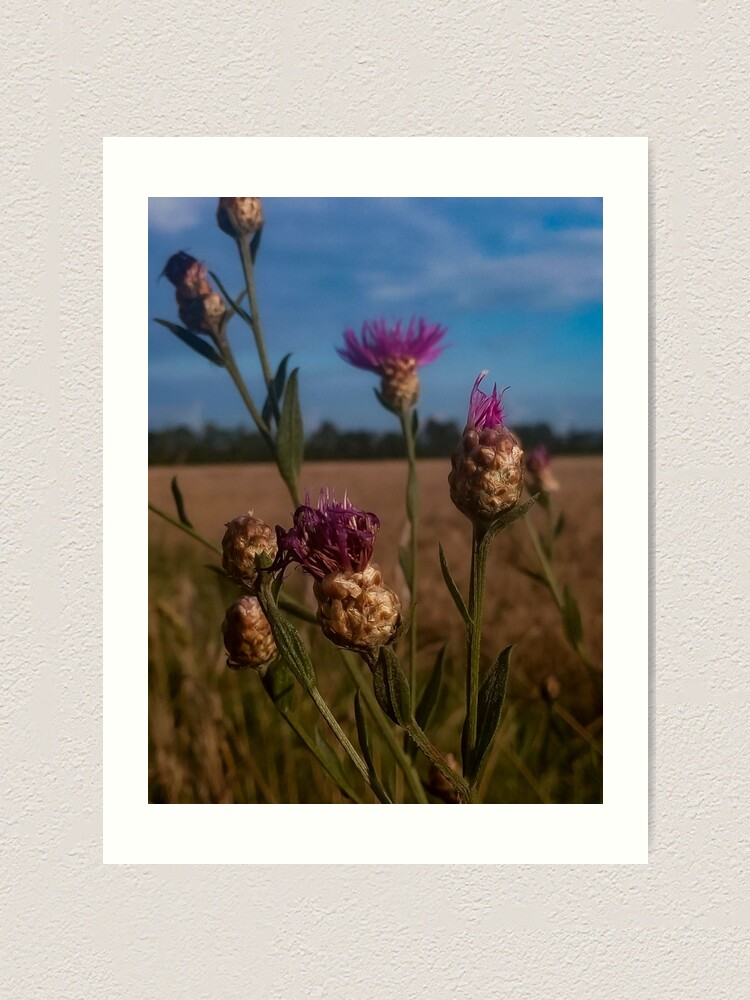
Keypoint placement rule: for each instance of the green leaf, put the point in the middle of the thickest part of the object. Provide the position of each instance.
(234, 303)
(404, 559)
(572, 618)
(272, 405)
(179, 503)
(429, 696)
(193, 341)
(453, 590)
(279, 684)
(364, 742)
(392, 688)
(290, 440)
(559, 526)
(491, 698)
(332, 763)
(289, 641)
(384, 402)
(415, 424)
(519, 511)
(534, 576)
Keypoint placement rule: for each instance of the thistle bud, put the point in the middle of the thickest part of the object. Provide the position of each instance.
(245, 539)
(399, 383)
(204, 313)
(182, 268)
(356, 610)
(439, 785)
(247, 636)
(539, 470)
(486, 475)
(240, 216)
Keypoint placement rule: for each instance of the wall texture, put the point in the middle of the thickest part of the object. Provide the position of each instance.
(675, 71)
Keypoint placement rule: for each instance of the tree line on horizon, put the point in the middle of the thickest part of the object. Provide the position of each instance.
(436, 439)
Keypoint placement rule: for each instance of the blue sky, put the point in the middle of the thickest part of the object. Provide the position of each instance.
(517, 281)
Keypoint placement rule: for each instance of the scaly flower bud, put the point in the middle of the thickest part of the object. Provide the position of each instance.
(245, 539)
(247, 636)
(203, 313)
(486, 477)
(539, 468)
(356, 610)
(239, 216)
(181, 269)
(333, 543)
(395, 355)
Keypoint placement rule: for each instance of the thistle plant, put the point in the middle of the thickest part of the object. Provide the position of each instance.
(357, 614)
(541, 479)
(396, 354)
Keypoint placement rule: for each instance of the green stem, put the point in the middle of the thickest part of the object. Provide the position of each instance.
(435, 757)
(247, 266)
(412, 512)
(339, 733)
(554, 586)
(183, 527)
(480, 543)
(549, 573)
(260, 423)
(389, 736)
(297, 728)
(247, 399)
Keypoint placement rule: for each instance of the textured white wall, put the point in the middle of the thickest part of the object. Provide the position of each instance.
(674, 70)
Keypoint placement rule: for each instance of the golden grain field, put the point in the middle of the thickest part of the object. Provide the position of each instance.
(215, 737)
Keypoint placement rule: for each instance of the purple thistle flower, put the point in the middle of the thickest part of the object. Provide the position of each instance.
(380, 345)
(334, 537)
(538, 459)
(485, 412)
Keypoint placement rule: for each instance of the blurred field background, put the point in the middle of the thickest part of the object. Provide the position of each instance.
(214, 736)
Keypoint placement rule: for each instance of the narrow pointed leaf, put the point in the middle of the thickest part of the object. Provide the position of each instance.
(234, 303)
(491, 698)
(392, 688)
(560, 525)
(272, 404)
(415, 424)
(278, 681)
(453, 590)
(179, 502)
(519, 511)
(288, 641)
(384, 402)
(429, 697)
(364, 742)
(572, 618)
(332, 764)
(532, 574)
(290, 441)
(193, 341)
(404, 559)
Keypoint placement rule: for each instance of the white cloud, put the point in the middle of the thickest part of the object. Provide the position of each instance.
(173, 215)
(566, 272)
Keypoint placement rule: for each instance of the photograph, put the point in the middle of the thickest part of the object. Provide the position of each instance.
(375, 494)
